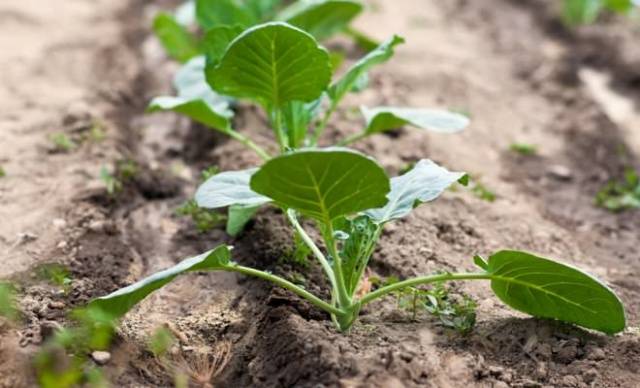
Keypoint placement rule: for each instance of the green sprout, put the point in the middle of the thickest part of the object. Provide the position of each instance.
(618, 196)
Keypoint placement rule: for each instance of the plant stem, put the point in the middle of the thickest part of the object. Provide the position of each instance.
(380, 292)
(314, 248)
(323, 124)
(367, 256)
(276, 123)
(249, 143)
(344, 299)
(352, 139)
(321, 304)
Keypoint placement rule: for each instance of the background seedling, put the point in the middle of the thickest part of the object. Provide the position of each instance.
(56, 274)
(3, 173)
(350, 199)
(622, 195)
(61, 142)
(524, 148)
(204, 219)
(8, 307)
(575, 12)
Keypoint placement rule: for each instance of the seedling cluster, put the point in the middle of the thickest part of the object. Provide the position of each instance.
(345, 195)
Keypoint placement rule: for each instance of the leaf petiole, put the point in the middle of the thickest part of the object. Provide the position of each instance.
(248, 142)
(380, 292)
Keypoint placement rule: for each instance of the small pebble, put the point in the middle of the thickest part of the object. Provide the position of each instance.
(560, 172)
(101, 357)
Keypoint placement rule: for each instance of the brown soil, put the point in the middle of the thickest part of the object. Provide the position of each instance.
(511, 64)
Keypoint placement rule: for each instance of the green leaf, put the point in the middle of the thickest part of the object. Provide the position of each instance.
(321, 18)
(216, 41)
(239, 216)
(356, 249)
(273, 63)
(215, 13)
(480, 262)
(195, 98)
(120, 302)
(581, 11)
(323, 183)
(384, 118)
(548, 289)
(620, 6)
(380, 55)
(263, 10)
(176, 40)
(227, 189)
(424, 182)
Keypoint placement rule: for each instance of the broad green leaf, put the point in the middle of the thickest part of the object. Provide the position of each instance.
(229, 188)
(423, 183)
(176, 40)
(323, 183)
(215, 13)
(620, 6)
(385, 118)
(321, 18)
(238, 217)
(120, 302)
(380, 55)
(195, 98)
(548, 289)
(273, 63)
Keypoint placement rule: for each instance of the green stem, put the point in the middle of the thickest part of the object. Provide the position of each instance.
(314, 248)
(352, 139)
(276, 123)
(323, 124)
(380, 292)
(249, 143)
(321, 304)
(344, 300)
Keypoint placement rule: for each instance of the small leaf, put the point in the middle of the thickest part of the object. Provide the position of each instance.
(548, 289)
(321, 18)
(382, 119)
(227, 189)
(195, 98)
(480, 262)
(380, 55)
(581, 11)
(273, 63)
(239, 216)
(120, 302)
(215, 13)
(176, 40)
(323, 183)
(424, 182)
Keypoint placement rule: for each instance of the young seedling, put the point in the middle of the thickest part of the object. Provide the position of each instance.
(618, 196)
(575, 12)
(351, 199)
(524, 149)
(285, 71)
(3, 173)
(62, 142)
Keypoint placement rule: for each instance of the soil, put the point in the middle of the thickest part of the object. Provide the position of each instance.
(520, 74)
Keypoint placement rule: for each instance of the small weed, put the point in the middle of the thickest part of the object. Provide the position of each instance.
(524, 149)
(481, 191)
(161, 341)
(96, 133)
(8, 308)
(62, 142)
(622, 195)
(3, 173)
(113, 184)
(209, 172)
(205, 219)
(56, 274)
